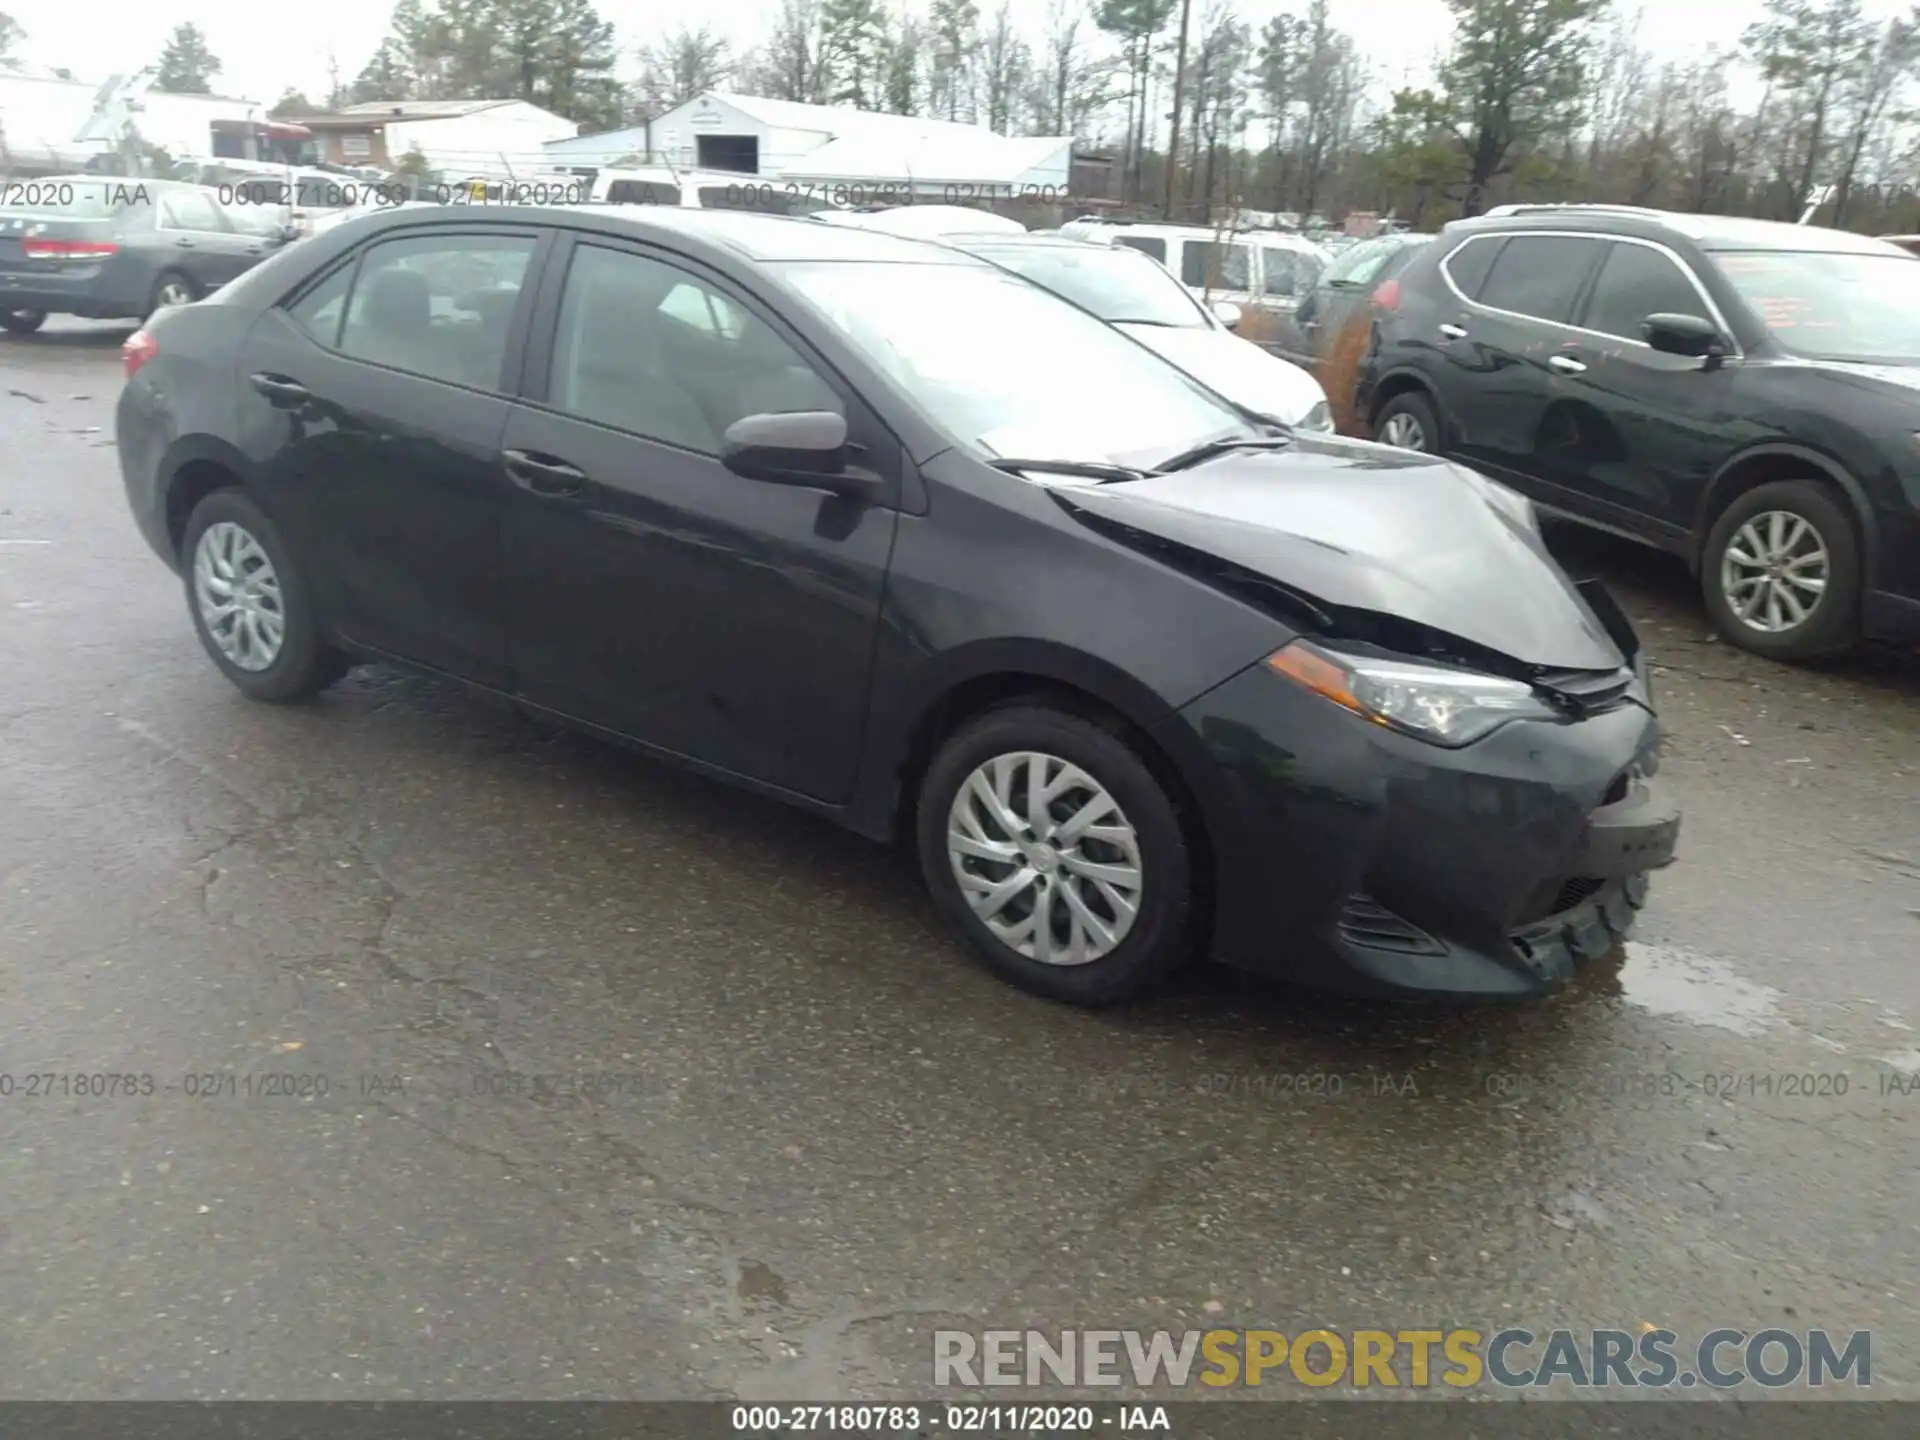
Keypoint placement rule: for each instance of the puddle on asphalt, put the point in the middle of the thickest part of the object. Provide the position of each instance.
(1683, 985)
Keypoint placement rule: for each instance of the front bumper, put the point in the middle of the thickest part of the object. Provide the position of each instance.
(1352, 857)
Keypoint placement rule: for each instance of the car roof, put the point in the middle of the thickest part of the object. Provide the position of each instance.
(998, 240)
(755, 236)
(1709, 232)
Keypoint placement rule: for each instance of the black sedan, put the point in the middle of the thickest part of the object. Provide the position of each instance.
(107, 248)
(869, 525)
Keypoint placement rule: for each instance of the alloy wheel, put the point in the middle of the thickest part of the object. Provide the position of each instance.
(1045, 858)
(1774, 571)
(1404, 431)
(172, 293)
(238, 594)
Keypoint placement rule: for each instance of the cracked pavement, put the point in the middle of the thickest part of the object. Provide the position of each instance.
(794, 1130)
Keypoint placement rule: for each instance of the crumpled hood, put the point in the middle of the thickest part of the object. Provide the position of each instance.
(1366, 528)
(1235, 368)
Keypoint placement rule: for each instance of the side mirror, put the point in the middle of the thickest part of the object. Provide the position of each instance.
(1683, 335)
(801, 447)
(1227, 313)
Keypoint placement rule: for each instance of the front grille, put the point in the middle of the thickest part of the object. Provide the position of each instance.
(1597, 690)
(1366, 922)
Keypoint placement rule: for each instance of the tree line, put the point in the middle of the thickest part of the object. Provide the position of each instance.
(1533, 99)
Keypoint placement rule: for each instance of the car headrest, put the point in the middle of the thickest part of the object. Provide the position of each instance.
(399, 301)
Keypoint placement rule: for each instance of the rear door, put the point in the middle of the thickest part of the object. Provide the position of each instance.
(1503, 352)
(204, 245)
(1323, 308)
(372, 405)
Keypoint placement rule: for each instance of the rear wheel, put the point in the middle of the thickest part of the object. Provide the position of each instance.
(249, 602)
(1049, 842)
(1781, 572)
(22, 322)
(170, 288)
(1407, 422)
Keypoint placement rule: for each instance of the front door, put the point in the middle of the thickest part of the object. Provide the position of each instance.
(372, 406)
(1632, 436)
(655, 592)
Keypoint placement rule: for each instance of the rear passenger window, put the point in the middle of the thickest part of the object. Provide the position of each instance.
(318, 312)
(1540, 275)
(1216, 265)
(1468, 266)
(1634, 283)
(438, 305)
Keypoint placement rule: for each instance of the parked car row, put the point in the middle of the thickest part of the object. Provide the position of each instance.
(884, 529)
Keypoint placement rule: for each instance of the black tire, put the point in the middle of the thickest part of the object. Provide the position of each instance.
(304, 665)
(161, 283)
(1161, 935)
(1417, 408)
(22, 322)
(1833, 625)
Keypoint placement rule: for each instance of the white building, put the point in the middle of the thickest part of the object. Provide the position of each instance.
(40, 118)
(783, 140)
(462, 137)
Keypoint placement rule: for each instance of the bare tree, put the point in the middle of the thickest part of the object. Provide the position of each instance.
(680, 65)
(1005, 67)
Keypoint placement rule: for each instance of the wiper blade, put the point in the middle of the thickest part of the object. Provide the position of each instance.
(1199, 454)
(1097, 470)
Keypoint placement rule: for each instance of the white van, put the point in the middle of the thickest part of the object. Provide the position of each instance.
(1268, 269)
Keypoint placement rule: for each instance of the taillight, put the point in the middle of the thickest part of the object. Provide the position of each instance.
(140, 348)
(1387, 297)
(68, 249)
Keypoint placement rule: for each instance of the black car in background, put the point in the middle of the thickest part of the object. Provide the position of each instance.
(872, 526)
(1743, 393)
(111, 248)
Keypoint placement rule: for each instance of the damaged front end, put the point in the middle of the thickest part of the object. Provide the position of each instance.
(1468, 807)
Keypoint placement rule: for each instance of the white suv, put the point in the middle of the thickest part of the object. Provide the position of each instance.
(1267, 269)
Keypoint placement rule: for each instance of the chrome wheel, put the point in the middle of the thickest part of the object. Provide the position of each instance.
(1774, 571)
(173, 291)
(1404, 431)
(238, 595)
(1045, 858)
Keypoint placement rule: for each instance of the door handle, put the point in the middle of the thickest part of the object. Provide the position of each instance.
(1566, 364)
(541, 475)
(282, 392)
(1453, 332)
(186, 244)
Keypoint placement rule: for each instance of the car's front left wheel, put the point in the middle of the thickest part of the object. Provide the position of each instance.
(249, 602)
(22, 322)
(1051, 843)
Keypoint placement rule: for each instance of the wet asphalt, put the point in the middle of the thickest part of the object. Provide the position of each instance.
(785, 1128)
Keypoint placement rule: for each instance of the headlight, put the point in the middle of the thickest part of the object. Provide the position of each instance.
(1445, 707)
(1318, 418)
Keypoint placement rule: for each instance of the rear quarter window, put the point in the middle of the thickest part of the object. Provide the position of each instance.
(1467, 266)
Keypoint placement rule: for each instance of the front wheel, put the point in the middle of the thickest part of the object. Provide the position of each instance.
(22, 322)
(1781, 572)
(1050, 843)
(249, 602)
(1407, 422)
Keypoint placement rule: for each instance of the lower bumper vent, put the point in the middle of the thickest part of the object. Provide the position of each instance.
(1366, 922)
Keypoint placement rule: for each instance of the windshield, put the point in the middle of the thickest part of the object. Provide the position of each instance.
(1011, 368)
(1122, 287)
(1832, 306)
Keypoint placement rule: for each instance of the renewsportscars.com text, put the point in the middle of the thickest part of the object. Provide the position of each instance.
(1510, 1358)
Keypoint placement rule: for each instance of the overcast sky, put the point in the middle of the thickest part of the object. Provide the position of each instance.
(265, 47)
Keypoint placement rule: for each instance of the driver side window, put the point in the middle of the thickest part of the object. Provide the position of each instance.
(646, 347)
